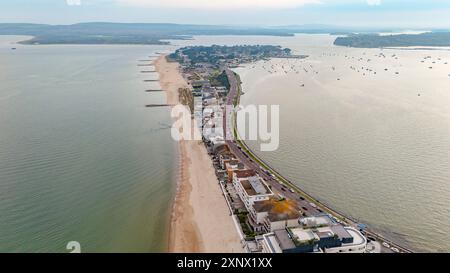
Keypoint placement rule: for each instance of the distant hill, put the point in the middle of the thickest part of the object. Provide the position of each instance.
(433, 39)
(123, 33)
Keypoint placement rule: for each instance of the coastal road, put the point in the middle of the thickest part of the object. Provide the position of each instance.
(310, 208)
(307, 207)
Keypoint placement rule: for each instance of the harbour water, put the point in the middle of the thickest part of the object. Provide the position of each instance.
(366, 131)
(81, 158)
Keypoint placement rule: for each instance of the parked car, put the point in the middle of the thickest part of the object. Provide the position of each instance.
(395, 249)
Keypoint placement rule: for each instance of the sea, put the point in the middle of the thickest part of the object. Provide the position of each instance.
(366, 131)
(81, 157)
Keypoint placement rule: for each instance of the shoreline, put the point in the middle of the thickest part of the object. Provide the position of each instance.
(200, 220)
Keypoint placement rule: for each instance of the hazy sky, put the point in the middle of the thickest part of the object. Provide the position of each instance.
(401, 13)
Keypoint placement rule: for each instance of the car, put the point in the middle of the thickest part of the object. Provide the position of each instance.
(283, 189)
(395, 249)
(302, 198)
(304, 208)
(291, 190)
(386, 245)
(313, 205)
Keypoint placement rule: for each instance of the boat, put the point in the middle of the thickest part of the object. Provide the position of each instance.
(13, 48)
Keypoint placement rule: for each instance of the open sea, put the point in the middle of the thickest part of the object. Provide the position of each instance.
(81, 158)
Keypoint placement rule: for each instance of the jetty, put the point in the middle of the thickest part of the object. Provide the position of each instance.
(158, 105)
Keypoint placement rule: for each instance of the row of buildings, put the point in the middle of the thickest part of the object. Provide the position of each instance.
(279, 224)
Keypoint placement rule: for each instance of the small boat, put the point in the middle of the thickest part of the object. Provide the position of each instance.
(13, 48)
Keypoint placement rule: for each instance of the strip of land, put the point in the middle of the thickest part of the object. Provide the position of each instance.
(201, 220)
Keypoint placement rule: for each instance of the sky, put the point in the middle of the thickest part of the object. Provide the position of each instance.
(413, 14)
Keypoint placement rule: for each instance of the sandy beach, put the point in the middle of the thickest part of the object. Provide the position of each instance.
(201, 221)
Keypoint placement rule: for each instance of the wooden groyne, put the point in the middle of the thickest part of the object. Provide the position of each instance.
(149, 71)
(159, 105)
(151, 80)
(154, 90)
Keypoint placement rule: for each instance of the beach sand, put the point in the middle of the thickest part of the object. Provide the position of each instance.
(201, 220)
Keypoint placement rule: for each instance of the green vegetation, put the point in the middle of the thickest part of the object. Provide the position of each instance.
(242, 216)
(121, 33)
(218, 55)
(220, 79)
(186, 98)
(403, 40)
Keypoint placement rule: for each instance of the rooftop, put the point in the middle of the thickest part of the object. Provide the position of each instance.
(254, 185)
(283, 239)
(304, 235)
(278, 209)
(316, 221)
(244, 173)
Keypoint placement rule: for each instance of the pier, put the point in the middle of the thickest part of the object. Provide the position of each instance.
(159, 105)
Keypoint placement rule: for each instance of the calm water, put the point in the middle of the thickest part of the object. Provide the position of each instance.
(81, 158)
(373, 146)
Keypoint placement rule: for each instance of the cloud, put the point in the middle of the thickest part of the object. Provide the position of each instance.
(374, 2)
(219, 4)
(73, 2)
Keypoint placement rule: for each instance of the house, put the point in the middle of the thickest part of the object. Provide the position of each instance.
(251, 188)
(235, 165)
(273, 214)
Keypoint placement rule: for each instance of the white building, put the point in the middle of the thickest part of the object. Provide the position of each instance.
(250, 188)
(328, 238)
